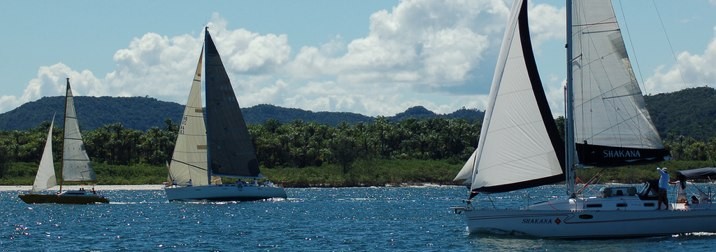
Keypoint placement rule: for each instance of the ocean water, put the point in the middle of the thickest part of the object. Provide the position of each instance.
(311, 219)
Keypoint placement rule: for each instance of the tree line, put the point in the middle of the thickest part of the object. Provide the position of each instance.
(297, 144)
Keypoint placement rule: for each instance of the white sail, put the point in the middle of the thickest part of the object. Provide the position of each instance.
(609, 109)
(464, 176)
(75, 162)
(189, 157)
(515, 148)
(45, 177)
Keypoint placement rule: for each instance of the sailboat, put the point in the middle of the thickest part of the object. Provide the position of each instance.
(75, 165)
(607, 125)
(215, 143)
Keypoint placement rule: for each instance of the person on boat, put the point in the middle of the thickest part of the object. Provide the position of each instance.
(694, 200)
(188, 183)
(663, 186)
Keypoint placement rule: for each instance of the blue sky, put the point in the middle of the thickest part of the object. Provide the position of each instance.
(373, 57)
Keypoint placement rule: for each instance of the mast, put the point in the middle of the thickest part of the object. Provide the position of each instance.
(208, 150)
(64, 128)
(569, 114)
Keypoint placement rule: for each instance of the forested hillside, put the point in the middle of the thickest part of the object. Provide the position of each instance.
(118, 131)
(686, 113)
(139, 113)
(143, 113)
(690, 112)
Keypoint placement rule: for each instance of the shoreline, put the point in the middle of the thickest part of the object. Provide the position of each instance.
(151, 187)
(75, 187)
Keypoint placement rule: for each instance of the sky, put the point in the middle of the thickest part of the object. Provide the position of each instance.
(374, 57)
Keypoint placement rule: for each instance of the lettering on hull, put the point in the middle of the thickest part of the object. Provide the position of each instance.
(540, 221)
(621, 154)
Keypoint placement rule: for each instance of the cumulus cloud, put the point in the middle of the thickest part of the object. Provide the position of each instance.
(690, 70)
(438, 54)
(50, 81)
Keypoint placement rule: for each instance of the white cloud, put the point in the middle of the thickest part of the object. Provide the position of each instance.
(547, 23)
(690, 70)
(438, 54)
(50, 81)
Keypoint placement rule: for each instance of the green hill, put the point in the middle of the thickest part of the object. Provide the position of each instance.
(93, 112)
(689, 112)
(142, 113)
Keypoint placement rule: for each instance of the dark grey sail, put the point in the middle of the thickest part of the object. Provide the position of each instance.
(231, 152)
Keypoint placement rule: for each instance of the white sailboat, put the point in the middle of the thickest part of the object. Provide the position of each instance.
(75, 165)
(222, 147)
(607, 124)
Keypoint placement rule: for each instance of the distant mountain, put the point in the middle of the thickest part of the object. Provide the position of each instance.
(420, 112)
(93, 112)
(689, 112)
(143, 113)
(263, 112)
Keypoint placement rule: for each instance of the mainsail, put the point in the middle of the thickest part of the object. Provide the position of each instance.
(231, 152)
(189, 157)
(612, 124)
(75, 162)
(45, 177)
(519, 145)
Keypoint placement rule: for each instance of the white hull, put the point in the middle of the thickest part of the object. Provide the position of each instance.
(571, 220)
(225, 192)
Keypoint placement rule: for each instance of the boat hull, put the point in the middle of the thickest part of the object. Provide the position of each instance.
(587, 224)
(32, 198)
(225, 192)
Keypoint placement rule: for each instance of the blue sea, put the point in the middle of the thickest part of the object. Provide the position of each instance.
(311, 219)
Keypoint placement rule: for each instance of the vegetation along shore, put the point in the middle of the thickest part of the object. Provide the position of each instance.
(308, 154)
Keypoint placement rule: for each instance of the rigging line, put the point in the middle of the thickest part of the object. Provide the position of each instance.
(663, 28)
(631, 44)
